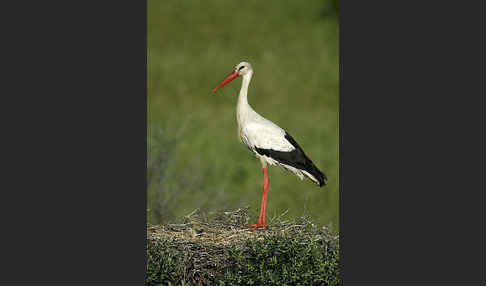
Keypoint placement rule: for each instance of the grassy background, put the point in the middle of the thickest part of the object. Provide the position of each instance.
(195, 159)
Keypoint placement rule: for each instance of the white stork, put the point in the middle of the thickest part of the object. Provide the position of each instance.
(270, 143)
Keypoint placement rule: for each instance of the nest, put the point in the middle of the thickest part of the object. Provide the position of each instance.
(204, 239)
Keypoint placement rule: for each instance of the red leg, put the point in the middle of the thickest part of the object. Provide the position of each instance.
(263, 205)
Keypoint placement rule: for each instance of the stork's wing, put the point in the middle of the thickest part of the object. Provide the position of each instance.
(273, 142)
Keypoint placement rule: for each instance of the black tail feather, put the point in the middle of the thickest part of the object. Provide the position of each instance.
(318, 175)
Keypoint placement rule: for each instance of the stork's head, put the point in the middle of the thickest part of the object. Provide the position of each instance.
(241, 69)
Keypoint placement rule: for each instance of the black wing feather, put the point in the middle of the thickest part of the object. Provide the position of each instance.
(295, 158)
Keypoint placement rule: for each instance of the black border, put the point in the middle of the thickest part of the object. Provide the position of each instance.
(77, 200)
(408, 88)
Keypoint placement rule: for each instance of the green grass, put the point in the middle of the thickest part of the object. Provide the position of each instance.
(195, 158)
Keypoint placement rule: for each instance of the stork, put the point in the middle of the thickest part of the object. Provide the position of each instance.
(270, 143)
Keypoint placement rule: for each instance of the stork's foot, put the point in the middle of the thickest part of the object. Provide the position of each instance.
(257, 225)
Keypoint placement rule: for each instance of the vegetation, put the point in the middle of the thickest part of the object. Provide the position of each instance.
(218, 250)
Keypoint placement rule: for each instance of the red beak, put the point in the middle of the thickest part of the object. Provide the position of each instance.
(229, 78)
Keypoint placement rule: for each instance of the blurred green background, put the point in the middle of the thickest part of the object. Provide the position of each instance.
(195, 159)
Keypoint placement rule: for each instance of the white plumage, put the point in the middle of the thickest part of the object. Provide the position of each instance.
(265, 135)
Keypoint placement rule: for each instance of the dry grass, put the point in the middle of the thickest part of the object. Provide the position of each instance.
(226, 228)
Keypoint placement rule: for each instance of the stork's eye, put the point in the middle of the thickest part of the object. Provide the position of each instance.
(241, 67)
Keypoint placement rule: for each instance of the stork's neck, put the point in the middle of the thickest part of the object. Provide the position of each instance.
(243, 109)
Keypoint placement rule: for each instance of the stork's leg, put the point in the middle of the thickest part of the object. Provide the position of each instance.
(263, 205)
(265, 192)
